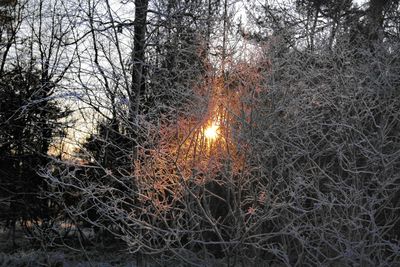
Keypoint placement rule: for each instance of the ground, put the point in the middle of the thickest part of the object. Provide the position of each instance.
(25, 254)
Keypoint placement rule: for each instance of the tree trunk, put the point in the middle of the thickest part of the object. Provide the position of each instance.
(375, 20)
(138, 57)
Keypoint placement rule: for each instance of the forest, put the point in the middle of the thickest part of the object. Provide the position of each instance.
(227, 133)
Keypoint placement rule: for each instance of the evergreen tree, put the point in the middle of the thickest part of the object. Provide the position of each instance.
(29, 121)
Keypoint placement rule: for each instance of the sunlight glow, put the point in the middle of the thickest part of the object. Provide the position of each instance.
(212, 131)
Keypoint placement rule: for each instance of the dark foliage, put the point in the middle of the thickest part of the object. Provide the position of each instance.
(28, 122)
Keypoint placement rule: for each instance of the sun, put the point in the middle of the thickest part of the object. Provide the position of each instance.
(211, 132)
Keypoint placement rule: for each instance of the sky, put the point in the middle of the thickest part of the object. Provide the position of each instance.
(124, 10)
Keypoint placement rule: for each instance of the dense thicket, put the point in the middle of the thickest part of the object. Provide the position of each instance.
(302, 167)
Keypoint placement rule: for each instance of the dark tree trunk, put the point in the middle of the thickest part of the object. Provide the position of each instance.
(138, 57)
(375, 20)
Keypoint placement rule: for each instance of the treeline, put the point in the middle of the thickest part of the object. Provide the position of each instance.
(304, 97)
